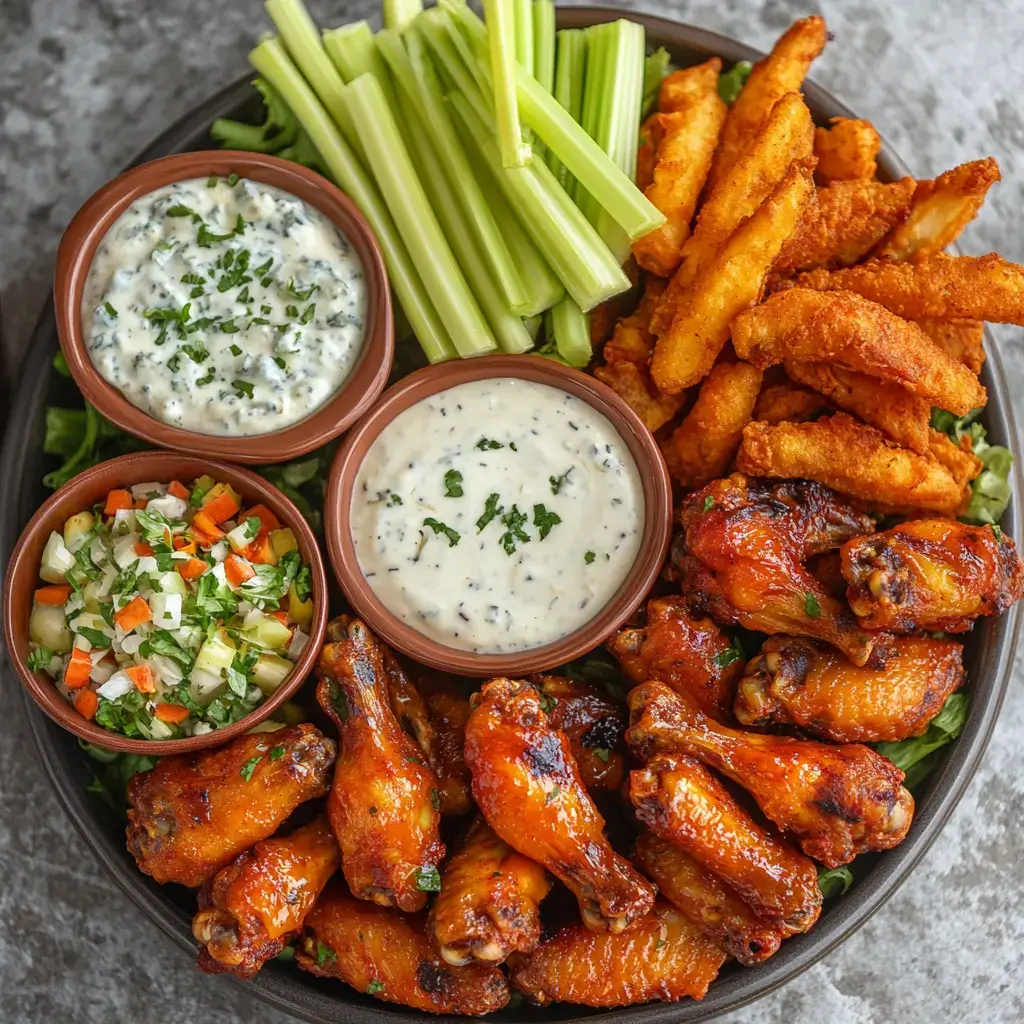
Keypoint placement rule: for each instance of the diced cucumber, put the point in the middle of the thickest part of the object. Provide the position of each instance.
(270, 672)
(268, 632)
(166, 609)
(298, 610)
(154, 729)
(203, 486)
(203, 686)
(57, 561)
(48, 628)
(216, 654)
(283, 541)
(77, 529)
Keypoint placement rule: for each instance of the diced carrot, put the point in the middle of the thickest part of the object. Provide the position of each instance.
(184, 544)
(268, 521)
(86, 703)
(141, 503)
(117, 501)
(142, 677)
(170, 713)
(133, 614)
(260, 551)
(206, 530)
(142, 549)
(192, 569)
(56, 595)
(237, 570)
(221, 507)
(76, 675)
(179, 490)
(281, 616)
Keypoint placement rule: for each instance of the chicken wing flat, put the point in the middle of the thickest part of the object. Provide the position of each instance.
(529, 789)
(794, 681)
(707, 901)
(750, 540)
(688, 653)
(388, 955)
(962, 340)
(194, 813)
(931, 574)
(449, 712)
(489, 904)
(384, 804)
(252, 907)
(665, 957)
(839, 800)
(847, 151)
(687, 806)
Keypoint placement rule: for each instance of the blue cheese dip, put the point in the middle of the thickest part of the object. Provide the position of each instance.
(224, 306)
(498, 515)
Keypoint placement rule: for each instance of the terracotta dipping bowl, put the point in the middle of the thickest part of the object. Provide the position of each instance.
(429, 381)
(97, 216)
(82, 493)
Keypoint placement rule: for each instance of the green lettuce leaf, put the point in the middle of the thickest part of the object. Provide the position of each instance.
(915, 755)
(730, 84)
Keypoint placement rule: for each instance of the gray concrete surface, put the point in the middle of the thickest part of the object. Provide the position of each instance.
(84, 84)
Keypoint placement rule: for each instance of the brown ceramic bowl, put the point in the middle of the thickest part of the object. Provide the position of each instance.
(97, 216)
(429, 381)
(82, 493)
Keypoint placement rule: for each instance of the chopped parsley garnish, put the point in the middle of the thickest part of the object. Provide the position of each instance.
(557, 481)
(604, 753)
(301, 294)
(548, 703)
(374, 987)
(39, 658)
(235, 350)
(308, 313)
(589, 557)
(207, 377)
(428, 879)
(111, 312)
(98, 640)
(164, 643)
(730, 655)
(453, 484)
(812, 607)
(243, 387)
(250, 766)
(197, 352)
(709, 503)
(487, 445)
(514, 521)
(439, 527)
(236, 275)
(292, 311)
(491, 509)
(232, 180)
(181, 210)
(228, 327)
(544, 520)
(211, 181)
(394, 499)
(191, 278)
(324, 954)
(997, 530)
(264, 268)
(553, 794)
(435, 799)
(206, 238)
(280, 363)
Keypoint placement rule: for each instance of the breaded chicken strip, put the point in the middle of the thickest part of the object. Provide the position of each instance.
(846, 151)
(962, 340)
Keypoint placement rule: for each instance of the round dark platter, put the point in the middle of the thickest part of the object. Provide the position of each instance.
(989, 653)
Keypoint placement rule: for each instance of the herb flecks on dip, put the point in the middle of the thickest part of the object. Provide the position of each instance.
(224, 306)
(497, 516)
(170, 611)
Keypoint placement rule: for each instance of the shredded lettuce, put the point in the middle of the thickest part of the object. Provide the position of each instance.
(916, 755)
(730, 85)
(834, 881)
(656, 67)
(113, 772)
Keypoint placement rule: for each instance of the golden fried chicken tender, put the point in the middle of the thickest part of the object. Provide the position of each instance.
(853, 459)
(790, 403)
(845, 224)
(732, 282)
(794, 681)
(962, 340)
(194, 813)
(960, 460)
(633, 384)
(782, 71)
(937, 287)
(704, 444)
(689, 134)
(665, 958)
(844, 329)
(388, 955)
(632, 340)
(847, 151)
(647, 150)
(942, 209)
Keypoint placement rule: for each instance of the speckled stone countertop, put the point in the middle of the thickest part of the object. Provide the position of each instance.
(85, 84)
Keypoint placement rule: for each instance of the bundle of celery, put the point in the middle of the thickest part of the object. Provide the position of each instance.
(493, 161)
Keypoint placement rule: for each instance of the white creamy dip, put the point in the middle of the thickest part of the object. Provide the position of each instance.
(224, 306)
(498, 515)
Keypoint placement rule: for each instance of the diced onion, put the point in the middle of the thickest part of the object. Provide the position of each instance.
(140, 491)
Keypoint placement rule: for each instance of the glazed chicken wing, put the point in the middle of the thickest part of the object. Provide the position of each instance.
(752, 538)
(665, 957)
(839, 800)
(449, 712)
(795, 681)
(253, 906)
(683, 803)
(706, 900)
(388, 955)
(932, 574)
(529, 789)
(384, 802)
(194, 813)
(688, 653)
(489, 904)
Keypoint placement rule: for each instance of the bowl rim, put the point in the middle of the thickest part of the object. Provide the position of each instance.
(96, 216)
(21, 577)
(431, 380)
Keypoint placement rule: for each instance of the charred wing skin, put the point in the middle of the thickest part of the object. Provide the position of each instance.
(489, 904)
(384, 804)
(388, 955)
(251, 908)
(707, 901)
(529, 789)
(665, 958)
(931, 574)
(794, 681)
(193, 814)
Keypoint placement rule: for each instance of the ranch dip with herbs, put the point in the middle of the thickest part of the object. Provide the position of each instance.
(498, 515)
(224, 306)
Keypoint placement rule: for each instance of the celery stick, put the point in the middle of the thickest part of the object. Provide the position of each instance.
(417, 224)
(544, 43)
(398, 13)
(533, 324)
(569, 72)
(352, 50)
(453, 58)
(271, 61)
(515, 152)
(447, 19)
(570, 328)
(572, 248)
(523, 16)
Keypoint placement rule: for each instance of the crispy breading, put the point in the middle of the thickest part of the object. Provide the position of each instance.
(789, 403)
(703, 445)
(942, 209)
(647, 150)
(632, 340)
(846, 151)
(853, 459)
(960, 460)
(632, 383)
(733, 281)
(940, 286)
(844, 329)
(959, 339)
(845, 224)
(882, 403)
(782, 71)
(689, 136)
(785, 136)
